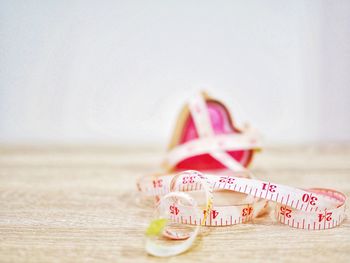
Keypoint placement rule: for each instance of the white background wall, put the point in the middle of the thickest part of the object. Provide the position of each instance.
(118, 71)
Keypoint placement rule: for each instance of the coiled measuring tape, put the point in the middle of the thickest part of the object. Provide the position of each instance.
(311, 209)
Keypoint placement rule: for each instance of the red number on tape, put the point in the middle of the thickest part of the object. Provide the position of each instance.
(188, 180)
(270, 187)
(158, 183)
(213, 213)
(285, 211)
(174, 210)
(228, 180)
(327, 216)
(247, 211)
(309, 199)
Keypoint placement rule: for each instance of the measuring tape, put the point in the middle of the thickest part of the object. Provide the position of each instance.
(311, 209)
(167, 205)
(227, 199)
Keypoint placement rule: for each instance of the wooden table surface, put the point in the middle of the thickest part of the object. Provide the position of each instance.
(78, 204)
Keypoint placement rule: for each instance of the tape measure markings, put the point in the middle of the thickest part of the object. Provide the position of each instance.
(307, 209)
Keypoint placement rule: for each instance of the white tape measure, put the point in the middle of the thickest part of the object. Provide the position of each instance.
(205, 138)
(312, 209)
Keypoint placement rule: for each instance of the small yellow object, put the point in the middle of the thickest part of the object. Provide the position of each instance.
(156, 227)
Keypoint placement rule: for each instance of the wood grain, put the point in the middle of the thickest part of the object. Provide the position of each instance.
(79, 204)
